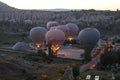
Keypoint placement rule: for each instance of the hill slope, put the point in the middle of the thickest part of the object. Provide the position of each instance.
(5, 7)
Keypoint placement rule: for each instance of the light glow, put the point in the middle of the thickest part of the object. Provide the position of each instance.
(38, 45)
(55, 47)
(70, 37)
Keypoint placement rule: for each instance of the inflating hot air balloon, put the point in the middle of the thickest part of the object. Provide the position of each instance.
(20, 46)
(56, 38)
(73, 30)
(37, 34)
(89, 36)
(52, 24)
(63, 28)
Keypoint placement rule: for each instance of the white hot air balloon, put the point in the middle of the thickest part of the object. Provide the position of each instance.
(63, 28)
(51, 24)
(73, 30)
(37, 34)
(56, 38)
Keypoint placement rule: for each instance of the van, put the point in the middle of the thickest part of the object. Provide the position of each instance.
(88, 77)
(96, 77)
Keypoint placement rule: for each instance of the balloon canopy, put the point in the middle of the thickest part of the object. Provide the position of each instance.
(63, 28)
(20, 46)
(89, 36)
(56, 38)
(51, 24)
(53, 28)
(37, 34)
(73, 30)
(28, 21)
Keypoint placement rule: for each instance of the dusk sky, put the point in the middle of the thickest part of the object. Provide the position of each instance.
(64, 4)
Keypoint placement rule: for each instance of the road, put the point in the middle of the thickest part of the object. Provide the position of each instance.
(94, 60)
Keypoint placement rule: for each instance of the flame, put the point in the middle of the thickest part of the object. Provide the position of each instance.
(70, 38)
(38, 45)
(55, 47)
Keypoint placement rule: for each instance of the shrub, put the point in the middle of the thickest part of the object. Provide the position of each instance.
(108, 59)
(62, 70)
(44, 77)
(24, 71)
(75, 68)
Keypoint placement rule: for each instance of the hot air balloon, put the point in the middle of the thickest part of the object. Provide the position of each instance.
(63, 28)
(53, 28)
(28, 22)
(51, 24)
(89, 36)
(37, 34)
(20, 46)
(56, 38)
(73, 30)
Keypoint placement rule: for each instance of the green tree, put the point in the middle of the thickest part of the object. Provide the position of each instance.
(108, 59)
(75, 68)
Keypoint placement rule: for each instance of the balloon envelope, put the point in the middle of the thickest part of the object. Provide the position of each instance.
(52, 24)
(20, 46)
(37, 34)
(63, 28)
(28, 21)
(56, 38)
(73, 30)
(89, 36)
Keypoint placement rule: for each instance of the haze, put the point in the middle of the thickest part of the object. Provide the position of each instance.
(64, 4)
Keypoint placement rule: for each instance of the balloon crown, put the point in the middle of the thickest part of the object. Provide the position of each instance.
(86, 29)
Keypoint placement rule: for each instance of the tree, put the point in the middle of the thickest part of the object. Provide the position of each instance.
(75, 68)
(118, 58)
(108, 59)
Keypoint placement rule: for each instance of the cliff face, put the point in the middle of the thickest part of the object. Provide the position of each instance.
(5, 7)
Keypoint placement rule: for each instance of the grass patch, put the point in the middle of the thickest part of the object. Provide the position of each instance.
(10, 39)
(13, 54)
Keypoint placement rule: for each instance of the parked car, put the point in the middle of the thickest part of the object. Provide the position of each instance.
(88, 77)
(97, 77)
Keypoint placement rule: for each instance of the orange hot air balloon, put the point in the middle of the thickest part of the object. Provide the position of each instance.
(51, 24)
(73, 30)
(56, 38)
(37, 34)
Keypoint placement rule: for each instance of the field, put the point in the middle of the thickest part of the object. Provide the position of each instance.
(15, 65)
(9, 39)
(23, 66)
